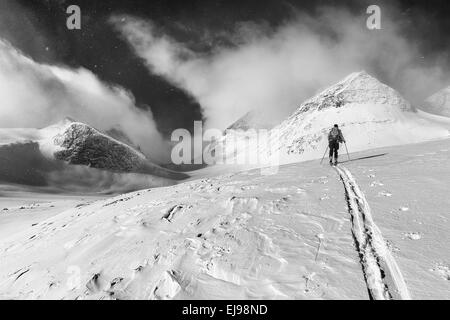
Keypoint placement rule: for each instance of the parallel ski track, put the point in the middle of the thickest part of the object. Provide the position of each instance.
(382, 275)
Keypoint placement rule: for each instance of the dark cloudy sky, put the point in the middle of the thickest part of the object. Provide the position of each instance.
(38, 28)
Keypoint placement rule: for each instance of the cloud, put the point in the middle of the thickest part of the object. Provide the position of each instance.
(57, 176)
(84, 179)
(276, 69)
(37, 95)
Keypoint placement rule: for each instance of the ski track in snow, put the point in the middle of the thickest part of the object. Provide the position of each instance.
(383, 276)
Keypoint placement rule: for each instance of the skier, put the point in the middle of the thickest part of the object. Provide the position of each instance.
(334, 138)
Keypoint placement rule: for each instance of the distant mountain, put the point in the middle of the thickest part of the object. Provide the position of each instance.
(438, 103)
(81, 144)
(73, 143)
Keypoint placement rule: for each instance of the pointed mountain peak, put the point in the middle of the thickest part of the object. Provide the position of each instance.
(355, 75)
(357, 80)
(356, 88)
(369, 113)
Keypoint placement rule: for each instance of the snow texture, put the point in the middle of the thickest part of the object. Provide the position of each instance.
(294, 235)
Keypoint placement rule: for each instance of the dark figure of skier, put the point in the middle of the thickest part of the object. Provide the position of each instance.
(334, 138)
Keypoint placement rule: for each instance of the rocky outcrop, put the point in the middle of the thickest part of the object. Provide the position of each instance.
(79, 144)
(357, 88)
(83, 145)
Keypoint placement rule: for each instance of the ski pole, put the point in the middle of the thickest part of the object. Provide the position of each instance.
(347, 150)
(324, 155)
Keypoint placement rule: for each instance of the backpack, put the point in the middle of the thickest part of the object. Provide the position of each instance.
(334, 134)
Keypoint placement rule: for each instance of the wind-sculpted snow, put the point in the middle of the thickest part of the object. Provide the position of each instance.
(244, 235)
(359, 88)
(237, 236)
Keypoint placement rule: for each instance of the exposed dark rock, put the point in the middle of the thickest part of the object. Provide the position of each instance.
(84, 145)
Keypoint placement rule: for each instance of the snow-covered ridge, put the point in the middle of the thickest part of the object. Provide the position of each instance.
(70, 132)
(358, 87)
(82, 144)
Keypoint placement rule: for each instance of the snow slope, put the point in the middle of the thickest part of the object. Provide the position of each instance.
(407, 192)
(234, 236)
(21, 207)
(245, 235)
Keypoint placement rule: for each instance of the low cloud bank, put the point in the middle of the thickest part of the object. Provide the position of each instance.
(24, 164)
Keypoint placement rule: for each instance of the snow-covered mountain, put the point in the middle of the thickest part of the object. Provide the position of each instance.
(369, 113)
(438, 103)
(77, 143)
